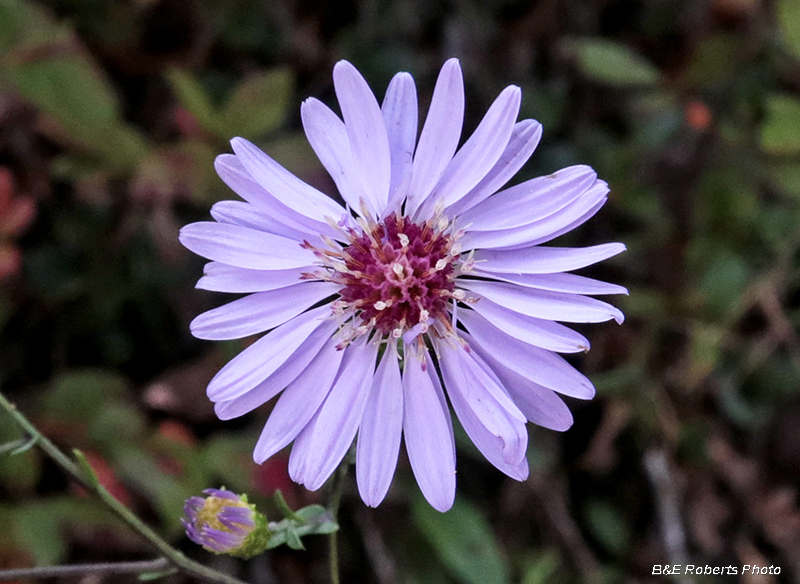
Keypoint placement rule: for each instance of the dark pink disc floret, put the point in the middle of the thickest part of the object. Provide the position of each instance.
(396, 271)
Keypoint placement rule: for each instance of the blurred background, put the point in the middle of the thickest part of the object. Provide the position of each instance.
(111, 113)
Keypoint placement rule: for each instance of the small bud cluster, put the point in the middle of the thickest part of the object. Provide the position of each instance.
(225, 523)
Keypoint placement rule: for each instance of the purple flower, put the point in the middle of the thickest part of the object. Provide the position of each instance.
(224, 523)
(431, 280)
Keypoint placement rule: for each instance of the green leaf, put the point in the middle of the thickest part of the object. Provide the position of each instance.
(714, 58)
(316, 520)
(193, 97)
(258, 105)
(69, 88)
(37, 529)
(79, 395)
(23, 22)
(230, 458)
(613, 63)
(118, 145)
(37, 526)
(199, 174)
(310, 520)
(607, 524)
(780, 130)
(541, 569)
(293, 152)
(788, 12)
(618, 381)
(19, 470)
(116, 423)
(463, 541)
(284, 508)
(705, 351)
(723, 282)
(787, 176)
(168, 495)
(293, 540)
(12, 20)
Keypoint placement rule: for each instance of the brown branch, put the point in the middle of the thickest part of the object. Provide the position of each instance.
(85, 569)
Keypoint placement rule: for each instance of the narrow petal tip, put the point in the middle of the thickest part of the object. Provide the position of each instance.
(442, 502)
(343, 69)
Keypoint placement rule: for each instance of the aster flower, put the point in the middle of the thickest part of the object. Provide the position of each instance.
(430, 285)
(225, 523)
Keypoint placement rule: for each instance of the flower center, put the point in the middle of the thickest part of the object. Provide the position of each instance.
(212, 507)
(395, 275)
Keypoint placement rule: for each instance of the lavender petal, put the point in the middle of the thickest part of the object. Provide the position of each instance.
(380, 430)
(327, 135)
(440, 135)
(584, 217)
(218, 540)
(543, 303)
(284, 186)
(539, 365)
(261, 359)
(322, 444)
(244, 247)
(299, 402)
(534, 331)
(219, 277)
(541, 405)
(493, 449)
(369, 142)
(531, 200)
(222, 494)
(540, 230)
(250, 216)
(477, 396)
(545, 260)
(524, 139)
(480, 152)
(231, 170)
(289, 370)
(567, 283)
(428, 431)
(400, 115)
(260, 311)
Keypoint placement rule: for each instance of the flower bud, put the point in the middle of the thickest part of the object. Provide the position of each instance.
(225, 523)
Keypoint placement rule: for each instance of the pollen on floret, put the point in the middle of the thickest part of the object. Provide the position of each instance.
(225, 523)
(395, 274)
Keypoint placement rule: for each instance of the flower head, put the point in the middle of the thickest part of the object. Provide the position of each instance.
(224, 523)
(430, 284)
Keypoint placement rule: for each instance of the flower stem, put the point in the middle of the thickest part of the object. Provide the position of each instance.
(333, 507)
(85, 569)
(175, 557)
(333, 550)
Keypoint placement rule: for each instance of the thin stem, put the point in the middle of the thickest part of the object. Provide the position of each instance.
(85, 569)
(333, 507)
(68, 465)
(338, 488)
(333, 551)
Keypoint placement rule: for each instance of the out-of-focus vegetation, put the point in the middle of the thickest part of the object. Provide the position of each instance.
(111, 112)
